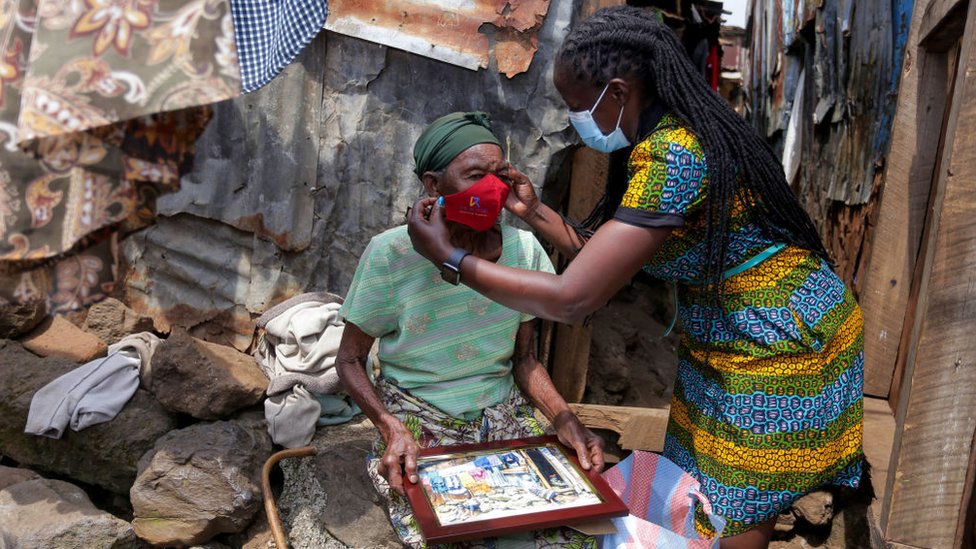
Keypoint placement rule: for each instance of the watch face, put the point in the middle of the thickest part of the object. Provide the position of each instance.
(449, 274)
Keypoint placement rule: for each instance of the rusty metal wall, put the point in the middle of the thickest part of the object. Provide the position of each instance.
(836, 130)
(290, 182)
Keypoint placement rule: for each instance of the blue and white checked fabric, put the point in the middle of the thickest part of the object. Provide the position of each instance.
(270, 33)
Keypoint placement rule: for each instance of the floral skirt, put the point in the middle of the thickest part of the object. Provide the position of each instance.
(511, 419)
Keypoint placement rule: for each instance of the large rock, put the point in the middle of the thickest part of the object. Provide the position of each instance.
(13, 475)
(817, 508)
(59, 338)
(204, 380)
(200, 481)
(328, 501)
(106, 455)
(17, 319)
(110, 320)
(52, 513)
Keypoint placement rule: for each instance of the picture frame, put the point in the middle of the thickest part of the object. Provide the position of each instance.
(474, 491)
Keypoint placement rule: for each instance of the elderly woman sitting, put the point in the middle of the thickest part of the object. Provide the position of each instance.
(454, 366)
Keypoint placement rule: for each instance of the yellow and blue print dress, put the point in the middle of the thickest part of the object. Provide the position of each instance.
(768, 400)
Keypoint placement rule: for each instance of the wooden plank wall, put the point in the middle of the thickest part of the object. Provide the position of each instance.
(932, 484)
(886, 290)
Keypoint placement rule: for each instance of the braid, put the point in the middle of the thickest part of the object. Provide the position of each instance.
(624, 41)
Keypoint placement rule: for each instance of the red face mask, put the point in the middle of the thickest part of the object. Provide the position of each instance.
(479, 206)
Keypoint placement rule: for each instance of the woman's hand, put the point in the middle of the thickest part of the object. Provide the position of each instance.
(522, 200)
(588, 445)
(428, 231)
(400, 457)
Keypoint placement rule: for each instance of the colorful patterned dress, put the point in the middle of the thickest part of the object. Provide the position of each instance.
(768, 400)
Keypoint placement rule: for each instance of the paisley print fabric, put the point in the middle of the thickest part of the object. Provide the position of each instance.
(768, 401)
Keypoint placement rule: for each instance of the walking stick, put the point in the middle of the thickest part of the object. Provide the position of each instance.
(270, 509)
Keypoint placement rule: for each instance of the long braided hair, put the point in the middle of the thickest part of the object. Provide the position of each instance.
(625, 41)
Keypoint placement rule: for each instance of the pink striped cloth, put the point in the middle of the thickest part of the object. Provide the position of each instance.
(661, 498)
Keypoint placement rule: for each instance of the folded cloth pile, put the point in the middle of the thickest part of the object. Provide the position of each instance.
(94, 392)
(297, 352)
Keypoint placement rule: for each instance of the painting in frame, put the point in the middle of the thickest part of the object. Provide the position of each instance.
(474, 491)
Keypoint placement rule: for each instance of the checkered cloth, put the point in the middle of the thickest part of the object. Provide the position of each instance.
(270, 33)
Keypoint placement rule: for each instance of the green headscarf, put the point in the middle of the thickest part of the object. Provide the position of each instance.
(449, 136)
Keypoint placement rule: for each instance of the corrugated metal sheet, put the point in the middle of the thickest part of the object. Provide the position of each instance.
(446, 30)
(291, 182)
(851, 56)
(853, 63)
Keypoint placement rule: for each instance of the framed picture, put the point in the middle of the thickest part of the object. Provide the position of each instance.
(474, 491)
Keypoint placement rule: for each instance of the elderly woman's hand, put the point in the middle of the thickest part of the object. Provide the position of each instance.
(400, 457)
(588, 445)
(428, 230)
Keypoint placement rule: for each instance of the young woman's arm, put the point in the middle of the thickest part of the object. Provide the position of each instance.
(532, 378)
(523, 202)
(401, 448)
(608, 262)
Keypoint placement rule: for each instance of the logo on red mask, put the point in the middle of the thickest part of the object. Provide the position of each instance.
(477, 207)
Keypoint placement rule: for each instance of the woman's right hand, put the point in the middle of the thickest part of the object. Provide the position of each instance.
(400, 457)
(522, 200)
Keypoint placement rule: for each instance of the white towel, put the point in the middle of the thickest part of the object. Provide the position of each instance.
(299, 346)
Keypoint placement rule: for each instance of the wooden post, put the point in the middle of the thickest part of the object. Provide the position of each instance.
(571, 354)
(937, 413)
(904, 200)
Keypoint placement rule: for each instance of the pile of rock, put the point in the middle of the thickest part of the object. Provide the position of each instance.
(179, 465)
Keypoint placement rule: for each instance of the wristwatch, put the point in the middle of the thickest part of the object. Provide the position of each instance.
(451, 269)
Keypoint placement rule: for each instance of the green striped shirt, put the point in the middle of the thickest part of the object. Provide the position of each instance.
(446, 344)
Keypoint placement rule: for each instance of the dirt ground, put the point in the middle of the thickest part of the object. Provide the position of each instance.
(632, 363)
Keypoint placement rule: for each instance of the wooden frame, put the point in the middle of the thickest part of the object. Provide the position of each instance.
(514, 476)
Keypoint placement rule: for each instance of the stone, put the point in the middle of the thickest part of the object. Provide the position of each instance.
(328, 500)
(205, 380)
(257, 536)
(199, 482)
(17, 319)
(785, 523)
(60, 338)
(105, 455)
(816, 508)
(54, 513)
(111, 320)
(13, 475)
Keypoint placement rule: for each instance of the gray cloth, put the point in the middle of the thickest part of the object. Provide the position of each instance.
(95, 392)
(88, 395)
(300, 343)
(292, 417)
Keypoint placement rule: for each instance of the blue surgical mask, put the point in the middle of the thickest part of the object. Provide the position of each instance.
(590, 132)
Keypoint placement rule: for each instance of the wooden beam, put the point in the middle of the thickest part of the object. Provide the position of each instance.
(639, 428)
(571, 354)
(941, 18)
(903, 202)
(939, 419)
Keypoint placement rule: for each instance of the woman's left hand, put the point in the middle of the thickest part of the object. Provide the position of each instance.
(588, 445)
(428, 231)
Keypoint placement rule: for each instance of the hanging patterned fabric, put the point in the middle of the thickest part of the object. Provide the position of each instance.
(101, 102)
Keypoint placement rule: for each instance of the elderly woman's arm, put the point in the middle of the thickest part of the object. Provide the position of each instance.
(401, 448)
(532, 377)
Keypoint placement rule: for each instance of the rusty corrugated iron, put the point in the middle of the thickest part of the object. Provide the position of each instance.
(446, 30)
(851, 57)
(852, 65)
